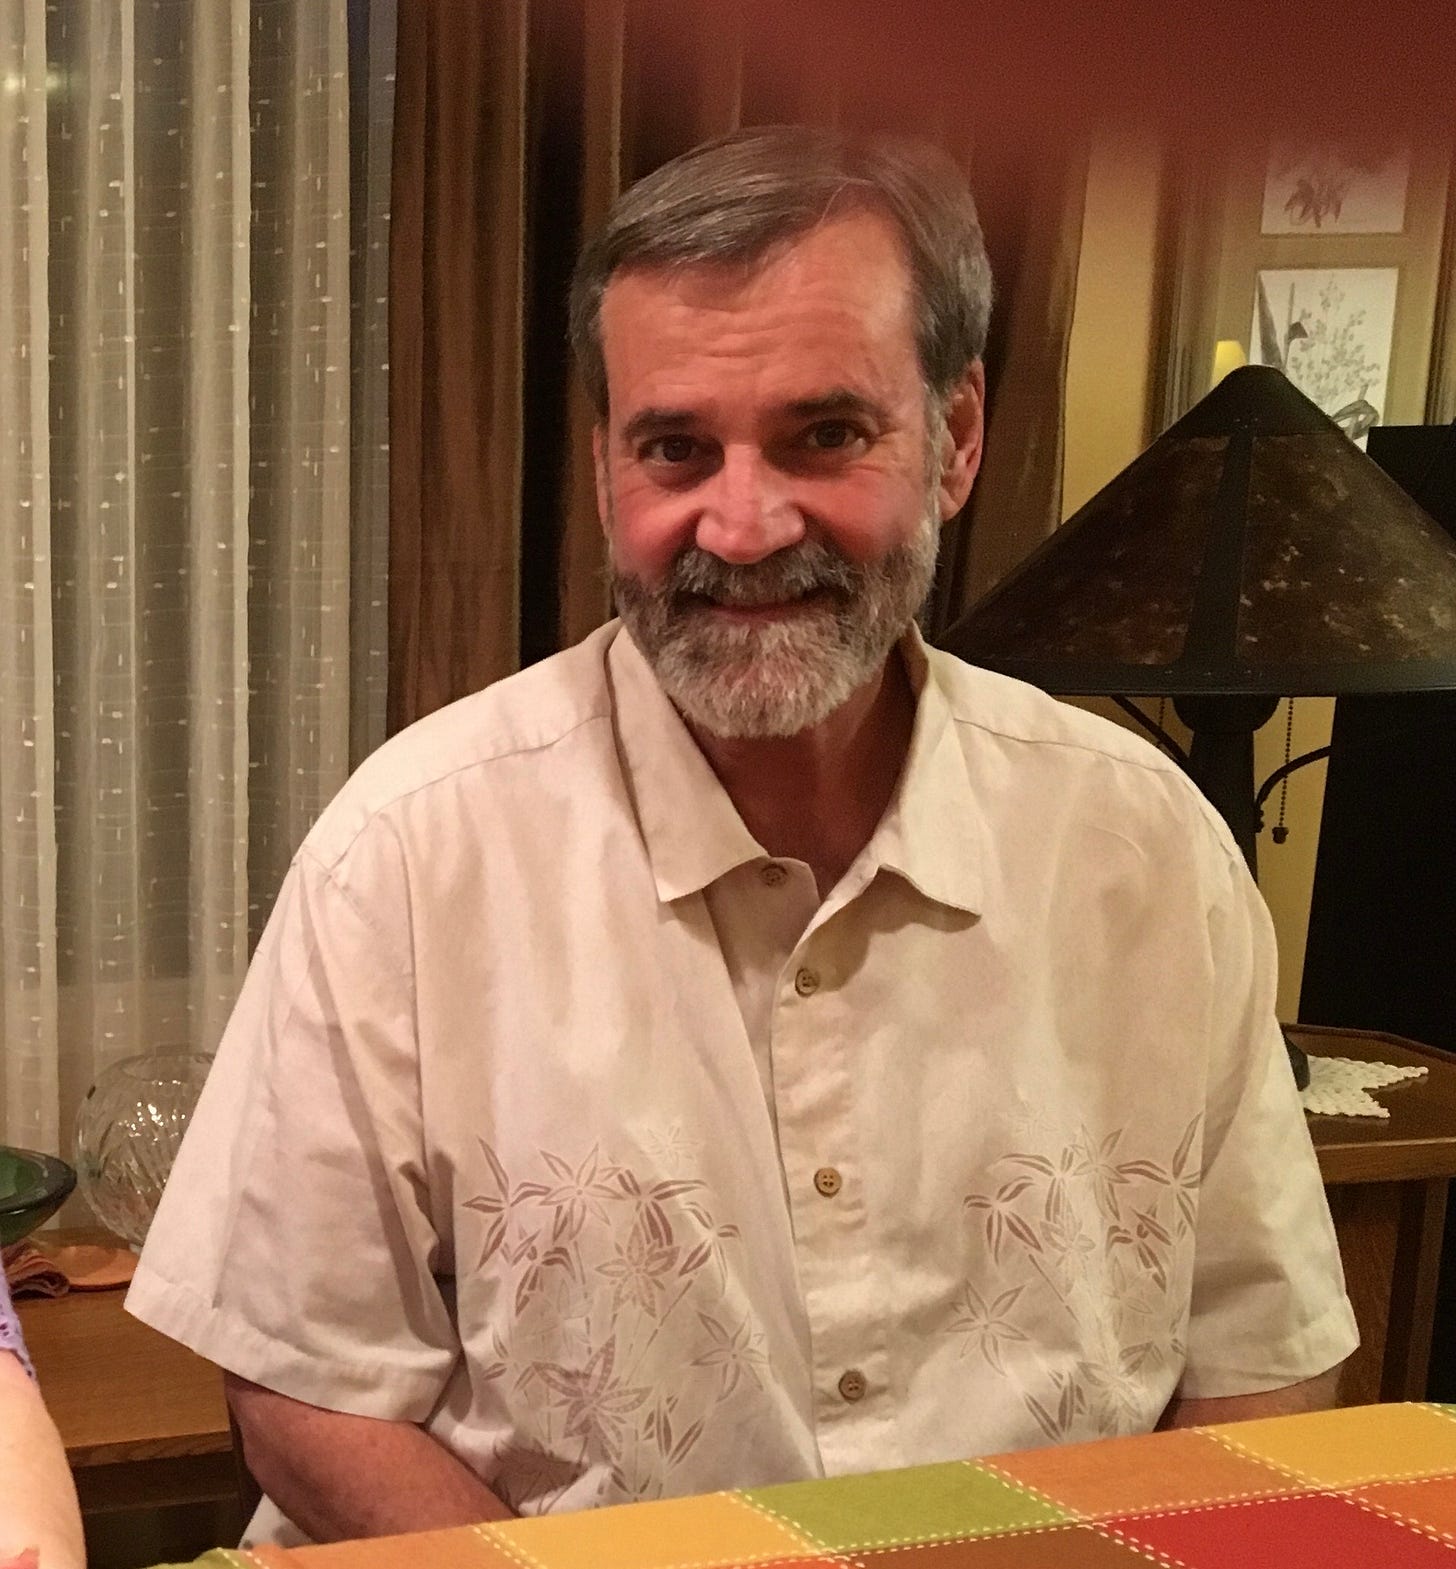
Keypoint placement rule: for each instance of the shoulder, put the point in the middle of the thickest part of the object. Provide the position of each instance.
(536, 721)
(1017, 713)
(1055, 747)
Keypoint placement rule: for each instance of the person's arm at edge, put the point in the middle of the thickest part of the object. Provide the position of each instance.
(339, 1477)
(1311, 1394)
(38, 1509)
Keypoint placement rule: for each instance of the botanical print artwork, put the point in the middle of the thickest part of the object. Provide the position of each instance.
(1330, 331)
(1355, 186)
(600, 1281)
(1101, 1239)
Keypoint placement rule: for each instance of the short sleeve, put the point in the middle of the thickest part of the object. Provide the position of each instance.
(11, 1339)
(294, 1243)
(1269, 1307)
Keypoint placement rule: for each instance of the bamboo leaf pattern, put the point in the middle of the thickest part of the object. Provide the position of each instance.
(695, 1259)
(598, 1261)
(683, 1447)
(1097, 1232)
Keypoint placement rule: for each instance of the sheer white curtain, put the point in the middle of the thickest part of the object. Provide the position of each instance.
(178, 683)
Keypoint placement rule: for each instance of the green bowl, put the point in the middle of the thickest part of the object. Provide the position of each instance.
(32, 1188)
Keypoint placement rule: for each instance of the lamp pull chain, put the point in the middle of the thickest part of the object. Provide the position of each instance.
(1280, 832)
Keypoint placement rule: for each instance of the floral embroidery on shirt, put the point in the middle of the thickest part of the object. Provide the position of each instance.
(736, 1353)
(672, 1146)
(985, 1325)
(594, 1406)
(607, 1277)
(1105, 1236)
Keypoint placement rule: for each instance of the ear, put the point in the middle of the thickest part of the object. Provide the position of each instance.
(599, 470)
(965, 419)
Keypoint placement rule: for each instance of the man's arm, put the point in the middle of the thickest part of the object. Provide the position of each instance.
(1314, 1394)
(338, 1476)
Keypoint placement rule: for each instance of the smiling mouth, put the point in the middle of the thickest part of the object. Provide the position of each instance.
(740, 610)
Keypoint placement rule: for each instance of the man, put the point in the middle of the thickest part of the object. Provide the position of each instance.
(750, 1045)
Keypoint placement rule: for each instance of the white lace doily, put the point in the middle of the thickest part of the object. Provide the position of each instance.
(1338, 1086)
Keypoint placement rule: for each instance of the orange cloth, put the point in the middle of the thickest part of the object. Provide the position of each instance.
(40, 1267)
(31, 1274)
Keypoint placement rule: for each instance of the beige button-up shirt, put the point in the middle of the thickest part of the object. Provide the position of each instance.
(555, 1115)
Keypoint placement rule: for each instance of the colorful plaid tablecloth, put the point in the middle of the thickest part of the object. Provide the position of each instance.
(1370, 1487)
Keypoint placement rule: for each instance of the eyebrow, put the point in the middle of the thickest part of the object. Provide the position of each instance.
(837, 402)
(654, 421)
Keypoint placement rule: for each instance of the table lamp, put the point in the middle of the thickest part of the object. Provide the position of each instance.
(1252, 553)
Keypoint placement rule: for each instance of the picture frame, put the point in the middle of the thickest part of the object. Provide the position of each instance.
(1215, 248)
(1336, 185)
(1331, 330)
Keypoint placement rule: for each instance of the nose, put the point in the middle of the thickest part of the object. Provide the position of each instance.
(747, 512)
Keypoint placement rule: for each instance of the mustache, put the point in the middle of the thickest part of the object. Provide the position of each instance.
(806, 568)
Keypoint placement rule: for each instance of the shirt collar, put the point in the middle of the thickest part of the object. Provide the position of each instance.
(691, 828)
(929, 835)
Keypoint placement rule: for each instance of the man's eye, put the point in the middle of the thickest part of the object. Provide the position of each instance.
(832, 435)
(671, 450)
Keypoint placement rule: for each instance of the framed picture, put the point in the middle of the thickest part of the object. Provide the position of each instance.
(1354, 230)
(1350, 186)
(1330, 330)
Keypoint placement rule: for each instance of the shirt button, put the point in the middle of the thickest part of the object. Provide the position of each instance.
(852, 1384)
(806, 982)
(828, 1181)
(773, 875)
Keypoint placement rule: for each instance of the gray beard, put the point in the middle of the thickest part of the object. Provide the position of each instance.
(739, 680)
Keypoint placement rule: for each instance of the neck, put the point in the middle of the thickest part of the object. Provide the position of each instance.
(818, 796)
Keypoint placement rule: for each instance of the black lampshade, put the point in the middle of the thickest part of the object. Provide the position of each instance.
(1252, 549)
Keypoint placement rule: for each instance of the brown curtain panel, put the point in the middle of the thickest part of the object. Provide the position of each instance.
(516, 124)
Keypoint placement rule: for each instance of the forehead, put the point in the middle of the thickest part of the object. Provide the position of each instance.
(830, 307)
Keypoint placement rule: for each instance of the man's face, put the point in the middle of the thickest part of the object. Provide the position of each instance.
(770, 476)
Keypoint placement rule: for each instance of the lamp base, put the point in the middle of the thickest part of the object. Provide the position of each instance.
(1298, 1061)
(1221, 764)
(1221, 759)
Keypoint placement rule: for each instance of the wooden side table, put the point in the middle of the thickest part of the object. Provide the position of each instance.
(1386, 1180)
(143, 1419)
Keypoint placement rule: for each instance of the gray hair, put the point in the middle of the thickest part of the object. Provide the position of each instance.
(730, 200)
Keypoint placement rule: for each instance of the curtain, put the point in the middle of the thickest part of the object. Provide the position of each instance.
(1031, 199)
(1441, 391)
(372, 28)
(516, 125)
(178, 691)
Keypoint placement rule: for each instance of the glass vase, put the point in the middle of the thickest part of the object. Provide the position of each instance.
(127, 1135)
